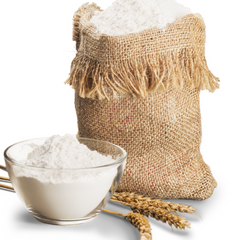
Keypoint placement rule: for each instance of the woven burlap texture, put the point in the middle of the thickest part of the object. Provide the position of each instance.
(141, 92)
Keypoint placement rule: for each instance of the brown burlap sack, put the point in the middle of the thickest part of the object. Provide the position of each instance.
(141, 91)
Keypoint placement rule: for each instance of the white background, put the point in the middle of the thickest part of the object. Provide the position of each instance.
(36, 51)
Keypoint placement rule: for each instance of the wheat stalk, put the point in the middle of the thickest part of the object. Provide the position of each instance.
(160, 214)
(155, 208)
(139, 221)
(127, 198)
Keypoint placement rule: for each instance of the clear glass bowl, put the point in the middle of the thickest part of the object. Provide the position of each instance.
(65, 196)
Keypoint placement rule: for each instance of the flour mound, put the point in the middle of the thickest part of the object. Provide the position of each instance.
(131, 16)
(65, 152)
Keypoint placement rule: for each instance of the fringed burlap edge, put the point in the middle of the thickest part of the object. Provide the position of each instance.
(138, 75)
(141, 76)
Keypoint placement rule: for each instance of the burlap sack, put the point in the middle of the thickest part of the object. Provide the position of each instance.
(141, 91)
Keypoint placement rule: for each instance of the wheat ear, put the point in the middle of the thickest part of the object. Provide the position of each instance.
(139, 221)
(126, 198)
(161, 214)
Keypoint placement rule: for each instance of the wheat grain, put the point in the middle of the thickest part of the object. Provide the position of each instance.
(155, 208)
(139, 221)
(142, 223)
(161, 214)
(127, 198)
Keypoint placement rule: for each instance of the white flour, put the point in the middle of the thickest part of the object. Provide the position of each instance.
(131, 16)
(65, 152)
(62, 152)
(65, 194)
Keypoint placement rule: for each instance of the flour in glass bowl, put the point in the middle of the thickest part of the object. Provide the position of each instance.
(64, 152)
(51, 189)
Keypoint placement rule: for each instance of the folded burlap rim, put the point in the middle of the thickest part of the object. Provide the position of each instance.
(138, 63)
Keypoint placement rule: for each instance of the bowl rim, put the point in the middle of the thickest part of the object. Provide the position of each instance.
(118, 162)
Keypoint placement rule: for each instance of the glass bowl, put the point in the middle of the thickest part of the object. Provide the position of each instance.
(65, 196)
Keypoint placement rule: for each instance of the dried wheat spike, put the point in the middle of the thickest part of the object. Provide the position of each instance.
(142, 223)
(129, 197)
(137, 220)
(126, 198)
(160, 214)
